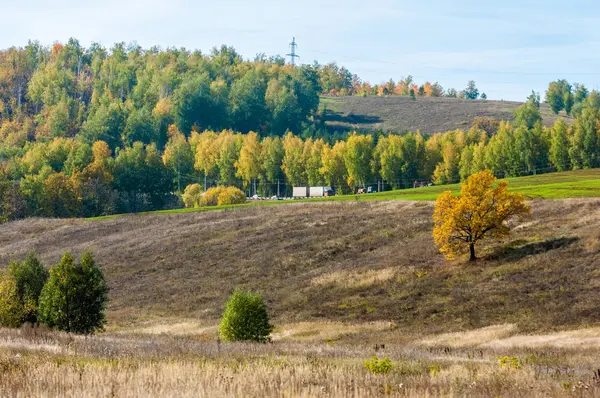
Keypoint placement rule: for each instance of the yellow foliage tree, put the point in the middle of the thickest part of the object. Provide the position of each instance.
(248, 164)
(206, 152)
(480, 211)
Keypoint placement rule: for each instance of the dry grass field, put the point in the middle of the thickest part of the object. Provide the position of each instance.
(339, 277)
(427, 114)
(488, 362)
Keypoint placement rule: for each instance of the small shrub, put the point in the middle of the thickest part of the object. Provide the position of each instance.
(75, 296)
(245, 318)
(379, 366)
(192, 195)
(231, 196)
(509, 362)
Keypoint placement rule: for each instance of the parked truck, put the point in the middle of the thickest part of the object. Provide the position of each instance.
(312, 192)
(300, 192)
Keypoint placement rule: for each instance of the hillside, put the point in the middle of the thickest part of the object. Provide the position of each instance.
(427, 114)
(349, 261)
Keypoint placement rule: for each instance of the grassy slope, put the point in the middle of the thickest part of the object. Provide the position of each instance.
(425, 114)
(335, 261)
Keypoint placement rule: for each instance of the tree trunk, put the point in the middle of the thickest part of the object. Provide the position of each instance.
(472, 250)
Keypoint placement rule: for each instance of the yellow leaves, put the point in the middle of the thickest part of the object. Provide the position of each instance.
(248, 164)
(480, 211)
(101, 152)
(206, 150)
(163, 107)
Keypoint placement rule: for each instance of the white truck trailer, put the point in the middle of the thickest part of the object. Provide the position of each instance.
(311, 192)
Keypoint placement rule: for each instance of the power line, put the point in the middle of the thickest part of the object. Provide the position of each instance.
(293, 54)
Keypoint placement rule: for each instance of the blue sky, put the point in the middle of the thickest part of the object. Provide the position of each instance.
(508, 47)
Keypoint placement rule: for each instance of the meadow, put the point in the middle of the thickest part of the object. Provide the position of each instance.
(345, 279)
(494, 361)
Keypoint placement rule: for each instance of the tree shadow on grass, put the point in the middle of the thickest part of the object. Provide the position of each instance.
(514, 253)
(332, 116)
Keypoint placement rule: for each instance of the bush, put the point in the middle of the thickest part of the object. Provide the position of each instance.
(245, 318)
(231, 196)
(509, 362)
(211, 196)
(192, 195)
(75, 296)
(21, 287)
(379, 366)
(219, 196)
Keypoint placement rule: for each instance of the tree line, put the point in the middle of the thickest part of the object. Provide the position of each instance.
(88, 132)
(66, 177)
(338, 81)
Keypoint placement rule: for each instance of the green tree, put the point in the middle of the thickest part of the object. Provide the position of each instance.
(294, 162)
(314, 162)
(142, 178)
(105, 124)
(391, 161)
(471, 92)
(60, 197)
(179, 159)
(559, 146)
(559, 96)
(358, 158)
(192, 103)
(11, 310)
(246, 318)
(75, 297)
(140, 127)
(229, 145)
(247, 99)
(271, 158)
(527, 115)
(30, 277)
(466, 163)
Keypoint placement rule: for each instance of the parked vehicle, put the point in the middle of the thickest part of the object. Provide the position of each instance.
(300, 192)
(312, 192)
(366, 190)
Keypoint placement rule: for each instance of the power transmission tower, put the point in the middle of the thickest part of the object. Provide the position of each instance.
(293, 54)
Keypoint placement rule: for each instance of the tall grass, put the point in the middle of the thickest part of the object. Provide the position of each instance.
(41, 363)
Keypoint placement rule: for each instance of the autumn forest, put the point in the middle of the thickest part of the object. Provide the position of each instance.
(96, 131)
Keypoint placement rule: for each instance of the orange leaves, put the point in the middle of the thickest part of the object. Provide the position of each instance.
(56, 50)
(480, 211)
